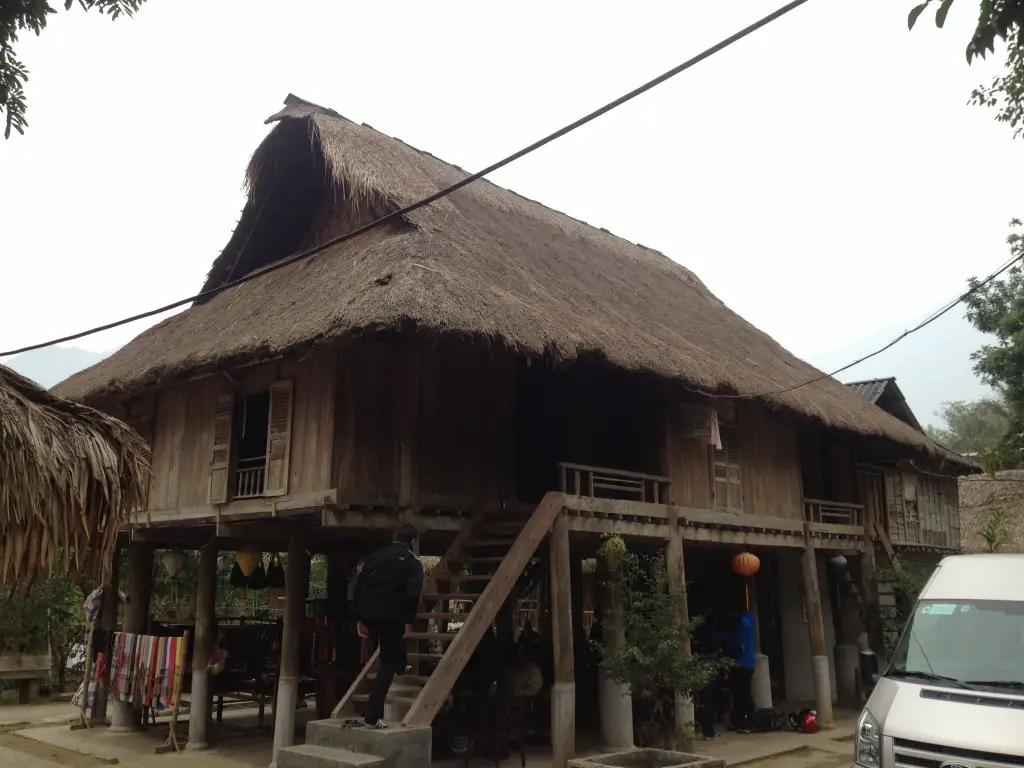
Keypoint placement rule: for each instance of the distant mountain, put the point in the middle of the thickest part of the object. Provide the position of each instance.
(51, 365)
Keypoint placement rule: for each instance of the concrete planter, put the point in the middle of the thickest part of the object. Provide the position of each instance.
(647, 758)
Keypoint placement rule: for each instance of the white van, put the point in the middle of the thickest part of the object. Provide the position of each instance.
(953, 696)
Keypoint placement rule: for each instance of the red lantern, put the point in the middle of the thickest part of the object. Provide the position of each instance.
(746, 564)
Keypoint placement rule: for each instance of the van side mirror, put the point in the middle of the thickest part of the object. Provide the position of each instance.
(868, 671)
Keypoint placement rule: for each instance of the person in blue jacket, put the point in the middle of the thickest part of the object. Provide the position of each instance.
(743, 646)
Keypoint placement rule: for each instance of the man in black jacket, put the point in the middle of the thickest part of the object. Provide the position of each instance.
(387, 597)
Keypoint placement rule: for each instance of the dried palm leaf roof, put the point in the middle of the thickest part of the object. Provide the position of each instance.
(69, 478)
(484, 262)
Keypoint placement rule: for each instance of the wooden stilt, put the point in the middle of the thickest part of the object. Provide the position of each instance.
(124, 717)
(684, 733)
(563, 693)
(296, 587)
(179, 673)
(816, 629)
(206, 628)
(108, 623)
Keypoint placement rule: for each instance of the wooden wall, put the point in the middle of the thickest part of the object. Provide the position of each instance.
(769, 464)
(923, 510)
(424, 424)
(183, 431)
(769, 460)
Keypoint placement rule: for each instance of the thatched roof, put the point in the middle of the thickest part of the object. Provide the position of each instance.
(69, 478)
(484, 262)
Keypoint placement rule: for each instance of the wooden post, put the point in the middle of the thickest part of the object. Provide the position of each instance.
(206, 630)
(563, 692)
(108, 623)
(869, 583)
(684, 733)
(576, 589)
(816, 628)
(296, 587)
(124, 717)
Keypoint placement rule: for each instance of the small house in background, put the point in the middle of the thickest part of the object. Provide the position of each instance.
(517, 384)
(922, 503)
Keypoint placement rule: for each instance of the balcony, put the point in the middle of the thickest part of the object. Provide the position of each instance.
(603, 483)
(250, 477)
(834, 513)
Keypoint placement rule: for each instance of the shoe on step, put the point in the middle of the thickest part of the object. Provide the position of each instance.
(379, 725)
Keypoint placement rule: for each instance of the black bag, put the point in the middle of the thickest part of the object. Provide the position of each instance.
(764, 721)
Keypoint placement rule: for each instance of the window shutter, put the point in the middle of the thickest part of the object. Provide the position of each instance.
(279, 438)
(220, 449)
(728, 487)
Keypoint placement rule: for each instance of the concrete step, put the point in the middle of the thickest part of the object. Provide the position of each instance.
(400, 747)
(314, 756)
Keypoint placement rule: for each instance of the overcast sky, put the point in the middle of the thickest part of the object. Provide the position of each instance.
(824, 177)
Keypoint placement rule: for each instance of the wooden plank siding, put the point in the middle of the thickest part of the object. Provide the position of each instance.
(769, 464)
(922, 510)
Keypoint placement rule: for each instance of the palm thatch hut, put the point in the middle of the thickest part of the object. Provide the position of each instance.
(70, 476)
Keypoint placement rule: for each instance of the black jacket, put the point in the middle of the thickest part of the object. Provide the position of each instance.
(389, 584)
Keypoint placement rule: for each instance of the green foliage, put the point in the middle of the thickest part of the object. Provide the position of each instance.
(994, 531)
(997, 308)
(971, 427)
(654, 660)
(998, 20)
(17, 16)
(908, 579)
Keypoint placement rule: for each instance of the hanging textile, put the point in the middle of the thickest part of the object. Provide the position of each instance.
(144, 669)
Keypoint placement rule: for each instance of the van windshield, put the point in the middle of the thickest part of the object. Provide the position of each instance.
(975, 643)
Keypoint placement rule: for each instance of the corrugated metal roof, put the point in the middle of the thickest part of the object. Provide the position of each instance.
(870, 389)
(873, 389)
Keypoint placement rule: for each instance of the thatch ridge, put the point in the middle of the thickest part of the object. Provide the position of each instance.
(70, 476)
(483, 262)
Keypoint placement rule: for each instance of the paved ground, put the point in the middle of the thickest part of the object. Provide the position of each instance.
(39, 737)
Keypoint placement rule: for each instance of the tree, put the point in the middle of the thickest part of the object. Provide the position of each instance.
(997, 20)
(17, 16)
(997, 308)
(653, 661)
(971, 427)
(994, 531)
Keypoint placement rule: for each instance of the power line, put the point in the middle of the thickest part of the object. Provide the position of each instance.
(927, 321)
(705, 54)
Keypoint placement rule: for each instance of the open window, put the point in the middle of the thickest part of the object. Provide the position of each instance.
(251, 446)
(727, 488)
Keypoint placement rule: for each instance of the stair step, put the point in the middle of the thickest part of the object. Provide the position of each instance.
(461, 577)
(362, 698)
(461, 596)
(315, 756)
(442, 616)
(424, 656)
(477, 559)
(506, 541)
(441, 637)
(404, 679)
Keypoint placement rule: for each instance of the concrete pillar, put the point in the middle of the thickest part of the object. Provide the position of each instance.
(816, 629)
(295, 590)
(199, 717)
(614, 699)
(108, 623)
(124, 717)
(761, 684)
(847, 662)
(563, 692)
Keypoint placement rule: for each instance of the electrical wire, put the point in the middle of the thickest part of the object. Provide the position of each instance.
(705, 54)
(924, 323)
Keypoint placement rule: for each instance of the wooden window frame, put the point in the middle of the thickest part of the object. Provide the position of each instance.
(726, 469)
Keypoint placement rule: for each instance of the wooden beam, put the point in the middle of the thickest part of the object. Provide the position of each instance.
(296, 588)
(816, 630)
(205, 636)
(296, 503)
(430, 699)
(563, 693)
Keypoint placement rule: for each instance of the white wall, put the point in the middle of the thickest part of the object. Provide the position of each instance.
(796, 641)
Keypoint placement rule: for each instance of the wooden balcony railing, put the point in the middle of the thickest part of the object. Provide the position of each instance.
(599, 482)
(250, 476)
(833, 512)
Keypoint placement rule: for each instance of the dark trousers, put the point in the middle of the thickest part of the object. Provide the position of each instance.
(707, 706)
(390, 637)
(742, 698)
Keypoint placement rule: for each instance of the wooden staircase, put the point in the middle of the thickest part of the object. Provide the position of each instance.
(495, 549)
